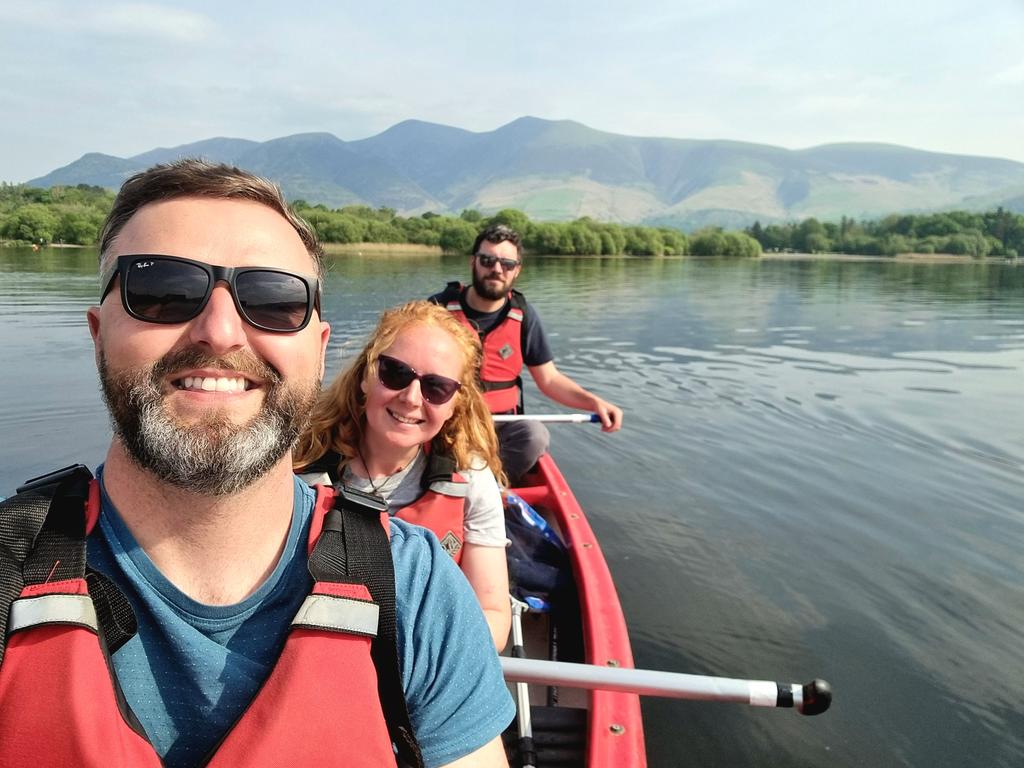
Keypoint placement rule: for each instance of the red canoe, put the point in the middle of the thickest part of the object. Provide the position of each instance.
(573, 727)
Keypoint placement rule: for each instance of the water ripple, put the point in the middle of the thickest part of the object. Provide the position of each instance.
(820, 474)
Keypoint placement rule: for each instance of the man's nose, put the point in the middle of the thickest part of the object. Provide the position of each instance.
(219, 326)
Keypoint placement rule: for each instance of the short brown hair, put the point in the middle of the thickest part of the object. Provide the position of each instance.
(498, 233)
(193, 177)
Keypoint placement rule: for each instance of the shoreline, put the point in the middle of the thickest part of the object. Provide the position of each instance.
(416, 249)
(33, 246)
(381, 249)
(919, 258)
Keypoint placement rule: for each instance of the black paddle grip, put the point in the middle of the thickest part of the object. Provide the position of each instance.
(817, 696)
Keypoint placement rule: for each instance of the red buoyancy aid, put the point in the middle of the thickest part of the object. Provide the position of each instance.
(62, 705)
(441, 508)
(502, 361)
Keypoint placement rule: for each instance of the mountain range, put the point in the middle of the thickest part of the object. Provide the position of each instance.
(561, 170)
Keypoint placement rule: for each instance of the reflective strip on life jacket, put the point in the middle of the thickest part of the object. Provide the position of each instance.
(315, 478)
(458, 489)
(52, 609)
(339, 614)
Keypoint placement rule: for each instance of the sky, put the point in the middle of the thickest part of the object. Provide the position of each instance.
(124, 78)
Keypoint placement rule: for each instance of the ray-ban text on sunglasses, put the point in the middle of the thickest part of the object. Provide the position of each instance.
(170, 289)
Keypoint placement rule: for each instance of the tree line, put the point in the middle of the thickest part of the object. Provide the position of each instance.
(455, 234)
(42, 216)
(74, 215)
(993, 233)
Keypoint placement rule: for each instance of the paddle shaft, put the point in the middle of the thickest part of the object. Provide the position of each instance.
(550, 418)
(810, 699)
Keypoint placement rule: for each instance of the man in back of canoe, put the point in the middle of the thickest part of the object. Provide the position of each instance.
(209, 608)
(512, 336)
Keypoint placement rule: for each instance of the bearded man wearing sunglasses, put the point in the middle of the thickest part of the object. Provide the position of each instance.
(196, 604)
(513, 337)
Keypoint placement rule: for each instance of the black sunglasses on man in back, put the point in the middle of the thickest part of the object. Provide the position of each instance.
(170, 289)
(488, 261)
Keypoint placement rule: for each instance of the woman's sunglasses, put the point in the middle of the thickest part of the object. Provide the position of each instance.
(169, 289)
(489, 261)
(394, 374)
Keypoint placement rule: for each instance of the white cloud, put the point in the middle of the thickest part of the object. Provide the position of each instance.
(111, 20)
(150, 20)
(1010, 76)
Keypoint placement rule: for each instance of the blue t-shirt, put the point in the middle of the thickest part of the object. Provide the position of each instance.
(192, 669)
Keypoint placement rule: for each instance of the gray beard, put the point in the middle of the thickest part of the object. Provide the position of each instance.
(215, 457)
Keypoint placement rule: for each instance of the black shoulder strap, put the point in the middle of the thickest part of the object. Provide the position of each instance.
(354, 548)
(440, 467)
(25, 548)
(452, 292)
(517, 300)
(327, 463)
(42, 539)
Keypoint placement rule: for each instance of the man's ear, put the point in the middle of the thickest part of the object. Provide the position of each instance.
(325, 335)
(92, 315)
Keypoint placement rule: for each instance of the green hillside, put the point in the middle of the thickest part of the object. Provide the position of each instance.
(562, 170)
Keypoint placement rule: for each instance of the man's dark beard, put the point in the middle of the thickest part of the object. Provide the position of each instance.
(485, 291)
(214, 457)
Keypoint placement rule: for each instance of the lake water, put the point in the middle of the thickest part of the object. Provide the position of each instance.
(821, 474)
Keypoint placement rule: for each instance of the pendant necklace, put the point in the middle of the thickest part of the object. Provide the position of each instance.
(376, 488)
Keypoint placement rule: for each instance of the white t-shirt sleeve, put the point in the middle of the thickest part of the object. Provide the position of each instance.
(484, 515)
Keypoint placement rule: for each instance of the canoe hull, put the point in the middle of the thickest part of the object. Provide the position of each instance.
(615, 728)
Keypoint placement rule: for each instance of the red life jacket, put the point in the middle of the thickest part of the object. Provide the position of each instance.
(502, 362)
(440, 508)
(63, 706)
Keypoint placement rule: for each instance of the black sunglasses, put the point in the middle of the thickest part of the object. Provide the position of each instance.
(394, 374)
(169, 289)
(489, 261)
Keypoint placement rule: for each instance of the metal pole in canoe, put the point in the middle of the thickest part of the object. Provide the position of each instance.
(813, 698)
(549, 418)
(527, 753)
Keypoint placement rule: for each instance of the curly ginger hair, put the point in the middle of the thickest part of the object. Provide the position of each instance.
(339, 419)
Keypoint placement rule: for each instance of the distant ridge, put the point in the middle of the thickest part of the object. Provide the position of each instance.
(561, 170)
